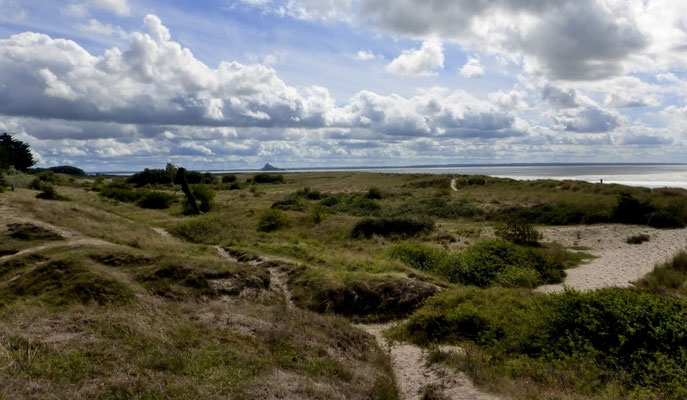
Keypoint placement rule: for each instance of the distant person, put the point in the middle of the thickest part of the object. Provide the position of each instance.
(12, 187)
(601, 180)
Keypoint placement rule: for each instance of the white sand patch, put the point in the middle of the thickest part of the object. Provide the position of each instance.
(618, 262)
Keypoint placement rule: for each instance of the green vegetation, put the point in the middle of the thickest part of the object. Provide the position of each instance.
(271, 220)
(638, 239)
(487, 263)
(610, 343)
(156, 200)
(14, 153)
(401, 227)
(268, 178)
(669, 278)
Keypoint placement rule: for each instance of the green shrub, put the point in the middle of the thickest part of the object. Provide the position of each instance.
(630, 210)
(272, 219)
(488, 263)
(330, 201)
(268, 178)
(48, 192)
(391, 227)
(669, 217)
(205, 198)
(367, 206)
(638, 239)
(310, 194)
(518, 231)
(234, 186)
(156, 200)
(228, 178)
(374, 194)
(289, 204)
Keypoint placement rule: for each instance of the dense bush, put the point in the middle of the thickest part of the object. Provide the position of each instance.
(310, 194)
(48, 192)
(156, 200)
(204, 196)
(391, 227)
(121, 191)
(228, 178)
(518, 231)
(151, 177)
(634, 335)
(268, 178)
(493, 262)
(638, 239)
(438, 207)
(272, 219)
(374, 193)
(61, 169)
(330, 201)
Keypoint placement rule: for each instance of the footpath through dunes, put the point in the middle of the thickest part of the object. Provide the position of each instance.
(414, 375)
(618, 263)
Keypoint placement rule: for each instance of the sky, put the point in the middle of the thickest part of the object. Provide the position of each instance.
(121, 85)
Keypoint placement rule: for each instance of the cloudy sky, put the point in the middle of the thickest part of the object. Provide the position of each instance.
(113, 85)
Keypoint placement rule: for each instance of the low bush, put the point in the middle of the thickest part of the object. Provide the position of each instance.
(365, 206)
(121, 191)
(151, 177)
(402, 227)
(330, 201)
(289, 204)
(228, 178)
(272, 219)
(48, 192)
(488, 263)
(374, 194)
(518, 231)
(311, 194)
(156, 200)
(268, 178)
(638, 239)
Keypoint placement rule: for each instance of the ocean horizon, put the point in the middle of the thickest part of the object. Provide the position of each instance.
(652, 175)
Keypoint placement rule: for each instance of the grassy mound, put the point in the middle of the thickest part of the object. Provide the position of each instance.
(401, 227)
(63, 282)
(360, 296)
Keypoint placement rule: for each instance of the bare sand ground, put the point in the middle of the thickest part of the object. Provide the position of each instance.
(618, 263)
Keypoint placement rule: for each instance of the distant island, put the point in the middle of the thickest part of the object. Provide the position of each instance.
(269, 167)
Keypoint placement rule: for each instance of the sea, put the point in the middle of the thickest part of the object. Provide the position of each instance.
(646, 175)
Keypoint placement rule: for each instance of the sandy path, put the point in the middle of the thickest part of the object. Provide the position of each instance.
(618, 262)
(454, 186)
(413, 374)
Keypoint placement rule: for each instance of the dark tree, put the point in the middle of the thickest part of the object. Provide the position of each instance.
(14, 153)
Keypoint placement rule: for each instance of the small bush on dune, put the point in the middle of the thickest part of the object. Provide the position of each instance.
(403, 227)
(272, 219)
(156, 200)
(289, 204)
(638, 239)
(48, 192)
(668, 278)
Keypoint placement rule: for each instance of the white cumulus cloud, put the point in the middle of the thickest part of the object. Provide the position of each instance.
(421, 62)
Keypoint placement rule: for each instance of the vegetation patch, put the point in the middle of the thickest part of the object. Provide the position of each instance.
(493, 262)
(156, 200)
(638, 238)
(669, 278)
(360, 296)
(627, 340)
(401, 227)
(63, 282)
(272, 220)
(268, 178)
(179, 282)
(28, 231)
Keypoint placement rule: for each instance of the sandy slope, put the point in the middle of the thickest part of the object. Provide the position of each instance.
(618, 262)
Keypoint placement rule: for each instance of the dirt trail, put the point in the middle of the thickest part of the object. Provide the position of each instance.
(409, 361)
(413, 375)
(618, 263)
(161, 231)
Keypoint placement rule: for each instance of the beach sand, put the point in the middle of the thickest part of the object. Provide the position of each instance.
(618, 263)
